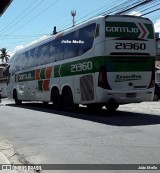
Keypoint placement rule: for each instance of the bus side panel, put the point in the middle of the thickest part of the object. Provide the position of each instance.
(32, 89)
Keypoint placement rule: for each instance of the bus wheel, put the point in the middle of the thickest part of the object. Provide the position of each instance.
(45, 103)
(155, 98)
(94, 107)
(17, 102)
(68, 100)
(56, 99)
(111, 106)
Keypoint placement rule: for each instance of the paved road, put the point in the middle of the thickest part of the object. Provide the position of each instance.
(41, 135)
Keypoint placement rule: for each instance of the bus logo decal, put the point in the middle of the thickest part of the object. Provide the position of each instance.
(122, 29)
(43, 85)
(129, 30)
(26, 76)
(123, 78)
(144, 32)
(44, 73)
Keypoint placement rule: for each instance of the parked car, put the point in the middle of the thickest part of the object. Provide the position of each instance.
(157, 92)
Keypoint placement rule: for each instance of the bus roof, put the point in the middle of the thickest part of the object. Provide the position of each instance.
(68, 30)
(130, 16)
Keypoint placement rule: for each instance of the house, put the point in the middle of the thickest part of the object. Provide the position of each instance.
(3, 81)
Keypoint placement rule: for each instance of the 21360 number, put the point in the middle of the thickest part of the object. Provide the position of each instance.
(130, 46)
(84, 66)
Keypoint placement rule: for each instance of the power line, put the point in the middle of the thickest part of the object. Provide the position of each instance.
(19, 15)
(151, 12)
(80, 19)
(135, 6)
(146, 8)
(114, 7)
(15, 23)
(33, 17)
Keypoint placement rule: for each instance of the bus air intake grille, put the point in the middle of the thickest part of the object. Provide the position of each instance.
(129, 59)
(128, 53)
(140, 87)
(87, 88)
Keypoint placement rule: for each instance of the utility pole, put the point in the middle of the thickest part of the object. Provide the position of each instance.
(73, 13)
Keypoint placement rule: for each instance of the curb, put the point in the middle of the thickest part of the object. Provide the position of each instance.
(9, 158)
(4, 160)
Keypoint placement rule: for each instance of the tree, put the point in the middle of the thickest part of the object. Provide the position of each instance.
(4, 55)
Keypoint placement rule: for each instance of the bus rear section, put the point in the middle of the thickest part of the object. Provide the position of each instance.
(128, 72)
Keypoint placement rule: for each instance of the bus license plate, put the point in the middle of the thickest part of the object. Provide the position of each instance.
(131, 95)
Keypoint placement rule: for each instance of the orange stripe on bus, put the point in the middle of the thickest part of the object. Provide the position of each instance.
(48, 72)
(46, 85)
(37, 74)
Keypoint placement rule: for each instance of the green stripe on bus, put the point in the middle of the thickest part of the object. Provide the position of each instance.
(116, 64)
(42, 73)
(92, 65)
(150, 29)
(40, 85)
(89, 65)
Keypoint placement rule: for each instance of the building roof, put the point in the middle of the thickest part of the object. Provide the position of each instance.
(4, 5)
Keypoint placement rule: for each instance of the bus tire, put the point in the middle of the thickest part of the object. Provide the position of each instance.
(155, 98)
(111, 107)
(15, 96)
(94, 107)
(45, 103)
(55, 99)
(68, 100)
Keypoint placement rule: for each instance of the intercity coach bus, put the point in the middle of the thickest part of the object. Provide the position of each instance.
(105, 61)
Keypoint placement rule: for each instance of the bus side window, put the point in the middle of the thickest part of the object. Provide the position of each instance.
(24, 59)
(31, 59)
(52, 51)
(56, 50)
(71, 45)
(86, 34)
(21, 61)
(97, 30)
(17, 66)
(43, 54)
(39, 57)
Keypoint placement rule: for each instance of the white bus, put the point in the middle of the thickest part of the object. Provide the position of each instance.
(105, 61)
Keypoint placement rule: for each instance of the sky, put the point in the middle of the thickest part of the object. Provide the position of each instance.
(28, 21)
